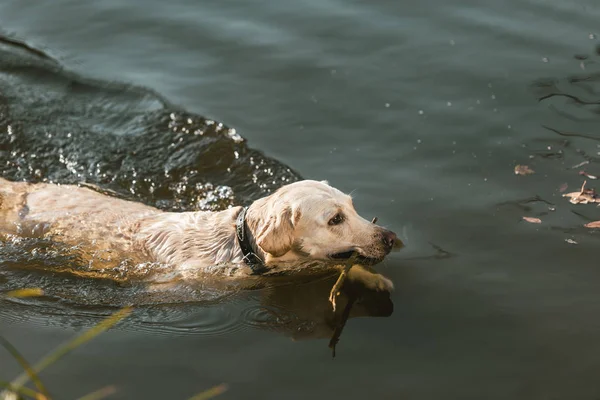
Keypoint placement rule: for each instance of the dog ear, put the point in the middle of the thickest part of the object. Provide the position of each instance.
(276, 235)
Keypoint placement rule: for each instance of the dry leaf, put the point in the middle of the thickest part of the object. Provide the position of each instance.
(584, 196)
(595, 224)
(523, 170)
(581, 164)
(587, 175)
(532, 220)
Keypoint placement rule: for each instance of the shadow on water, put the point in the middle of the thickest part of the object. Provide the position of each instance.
(297, 308)
(129, 142)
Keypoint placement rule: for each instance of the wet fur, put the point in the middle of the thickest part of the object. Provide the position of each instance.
(288, 229)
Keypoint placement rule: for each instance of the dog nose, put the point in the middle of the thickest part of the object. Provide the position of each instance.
(389, 238)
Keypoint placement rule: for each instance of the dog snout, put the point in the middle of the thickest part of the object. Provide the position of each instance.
(389, 238)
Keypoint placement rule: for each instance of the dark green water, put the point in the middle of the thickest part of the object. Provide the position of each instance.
(421, 108)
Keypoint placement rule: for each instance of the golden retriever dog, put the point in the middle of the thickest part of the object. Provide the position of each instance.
(303, 224)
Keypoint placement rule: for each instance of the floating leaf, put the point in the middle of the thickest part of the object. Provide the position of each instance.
(595, 224)
(588, 175)
(581, 164)
(584, 196)
(532, 220)
(523, 170)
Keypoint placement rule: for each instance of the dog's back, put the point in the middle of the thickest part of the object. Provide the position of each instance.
(71, 215)
(13, 197)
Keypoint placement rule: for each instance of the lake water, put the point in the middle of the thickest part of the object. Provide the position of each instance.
(421, 109)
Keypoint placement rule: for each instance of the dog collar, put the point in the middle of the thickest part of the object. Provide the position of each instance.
(250, 257)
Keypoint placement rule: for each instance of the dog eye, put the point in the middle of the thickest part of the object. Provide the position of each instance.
(336, 220)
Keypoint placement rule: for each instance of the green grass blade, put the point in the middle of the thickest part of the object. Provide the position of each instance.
(100, 394)
(210, 393)
(22, 391)
(25, 365)
(73, 344)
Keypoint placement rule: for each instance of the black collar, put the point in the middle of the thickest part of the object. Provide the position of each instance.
(250, 257)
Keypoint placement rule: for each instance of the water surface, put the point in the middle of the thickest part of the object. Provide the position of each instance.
(423, 109)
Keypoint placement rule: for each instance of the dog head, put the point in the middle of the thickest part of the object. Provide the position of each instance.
(312, 221)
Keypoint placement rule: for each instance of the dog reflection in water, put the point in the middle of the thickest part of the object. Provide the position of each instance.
(304, 225)
(304, 312)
